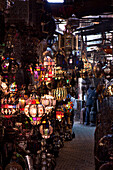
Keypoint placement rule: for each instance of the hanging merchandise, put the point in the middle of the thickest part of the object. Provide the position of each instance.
(59, 93)
(45, 101)
(110, 88)
(3, 87)
(34, 112)
(46, 129)
(107, 69)
(59, 115)
(97, 69)
(22, 103)
(14, 67)
(13, 88)
(48, 100)
(5, 66)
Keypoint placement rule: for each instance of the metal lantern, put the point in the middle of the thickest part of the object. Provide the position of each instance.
(3, 87)
(14, 67)
(8, 108)
(46, 129)
(59, 93)
(104, 150)
(97, 69)
(107, 71)
(22, 103)
(110, 88)
(5, 66)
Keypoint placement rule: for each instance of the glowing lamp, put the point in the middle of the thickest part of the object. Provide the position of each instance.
(45, 101)
(26, 110)
(46, 129)
(33, 110)
(21, 103)
(13, 88)
(36, 110)
(59, 115)
(48, 109)
(110, 90)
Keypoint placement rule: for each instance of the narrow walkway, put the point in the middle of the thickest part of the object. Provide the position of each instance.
(78, 154)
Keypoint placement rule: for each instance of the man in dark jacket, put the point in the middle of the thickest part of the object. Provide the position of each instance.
(91, 92)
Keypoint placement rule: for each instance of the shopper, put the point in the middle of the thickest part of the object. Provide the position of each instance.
(91, 93)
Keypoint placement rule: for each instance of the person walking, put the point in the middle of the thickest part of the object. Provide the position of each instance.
(91, 93)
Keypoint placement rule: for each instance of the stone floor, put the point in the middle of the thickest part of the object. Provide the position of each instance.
(78, 153)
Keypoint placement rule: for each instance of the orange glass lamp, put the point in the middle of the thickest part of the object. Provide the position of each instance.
(22, 103)
(59, 115)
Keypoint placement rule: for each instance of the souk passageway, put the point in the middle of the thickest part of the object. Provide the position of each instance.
(78, 154)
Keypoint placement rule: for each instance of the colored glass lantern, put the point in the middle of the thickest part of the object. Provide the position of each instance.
(22, 103)
(45, 101)
(46, 129)
(59, 115)
(36, 110)
(13, 88)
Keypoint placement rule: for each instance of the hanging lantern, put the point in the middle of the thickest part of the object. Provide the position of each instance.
(22, 103)
(48, 100)
(14, 67)
(26, 110)
(46, 129)
(107, 69)
(8, 108)
(3, 87)
(36, 110)
(5, 66)
(59, 93)
(97, 69)
(59, 115)
(45, 101)
(13, 88)
(110, 88)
